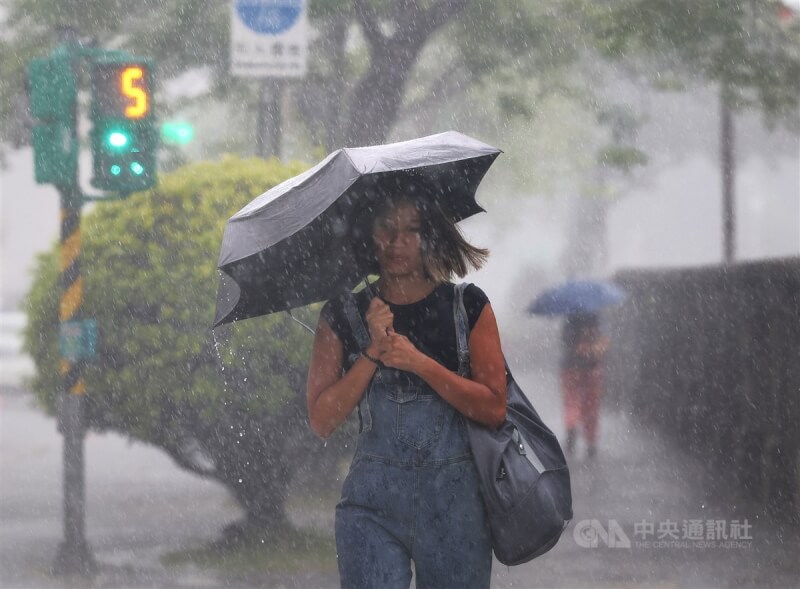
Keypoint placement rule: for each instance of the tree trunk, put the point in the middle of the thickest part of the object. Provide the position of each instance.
(319, 97)
(378, 96)
(586, 250)
(379, 93)
(263, 498)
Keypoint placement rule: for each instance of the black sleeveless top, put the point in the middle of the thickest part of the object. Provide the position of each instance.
(428, 323)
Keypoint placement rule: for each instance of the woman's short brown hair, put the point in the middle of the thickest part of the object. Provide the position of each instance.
(445, 251)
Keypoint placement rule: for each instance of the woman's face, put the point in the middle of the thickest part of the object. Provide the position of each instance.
(397, 240)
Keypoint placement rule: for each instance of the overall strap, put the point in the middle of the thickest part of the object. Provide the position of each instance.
(356, 322)
(361, 334)
(462, 329)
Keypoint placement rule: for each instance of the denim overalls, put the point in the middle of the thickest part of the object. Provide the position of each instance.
(412, 490)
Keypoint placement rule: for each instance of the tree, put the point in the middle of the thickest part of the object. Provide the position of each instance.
(744, 45)
(357, 96)
(749, 48)
(227, 406)
(355, 89)
(367, 51)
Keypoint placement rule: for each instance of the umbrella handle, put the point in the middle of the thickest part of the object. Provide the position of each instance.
(368, 288)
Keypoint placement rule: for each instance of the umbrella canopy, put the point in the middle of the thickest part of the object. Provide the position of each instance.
(577, 297)
(294, 244)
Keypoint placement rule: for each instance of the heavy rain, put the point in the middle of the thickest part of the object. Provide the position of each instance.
(185, 183)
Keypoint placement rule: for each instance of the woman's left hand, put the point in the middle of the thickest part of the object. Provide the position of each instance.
(397, 351)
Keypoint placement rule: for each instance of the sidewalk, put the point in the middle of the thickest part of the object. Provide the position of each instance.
(140, 506)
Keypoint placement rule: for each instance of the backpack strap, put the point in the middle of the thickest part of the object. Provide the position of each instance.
(462, 329)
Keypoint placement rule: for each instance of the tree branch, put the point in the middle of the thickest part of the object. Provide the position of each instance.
(188, 459)
(440, 14)
(451, 79)
(368, 19)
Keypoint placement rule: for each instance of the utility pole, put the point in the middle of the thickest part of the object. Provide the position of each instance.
(728, 163)
(268, 135)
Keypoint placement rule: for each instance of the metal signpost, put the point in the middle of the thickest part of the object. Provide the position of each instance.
(124, 144)
(269, 40)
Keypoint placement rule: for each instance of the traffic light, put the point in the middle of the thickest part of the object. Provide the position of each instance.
(53, 97)
(177, 132)
(124, 136)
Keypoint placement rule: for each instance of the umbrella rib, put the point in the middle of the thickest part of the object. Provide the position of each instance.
(296, 320)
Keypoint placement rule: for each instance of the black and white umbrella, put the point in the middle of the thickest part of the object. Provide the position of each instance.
(294, 245)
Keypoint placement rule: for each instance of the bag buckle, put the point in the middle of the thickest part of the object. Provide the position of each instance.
(518, 441)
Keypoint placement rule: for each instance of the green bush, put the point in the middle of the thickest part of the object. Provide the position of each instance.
(230, 408)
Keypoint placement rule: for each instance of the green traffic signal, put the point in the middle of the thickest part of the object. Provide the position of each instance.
(124, 155)
(178, 133)
(124, 134)
(117, 139)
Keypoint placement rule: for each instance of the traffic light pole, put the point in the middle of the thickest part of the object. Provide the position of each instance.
(124, 146)
(74, 555)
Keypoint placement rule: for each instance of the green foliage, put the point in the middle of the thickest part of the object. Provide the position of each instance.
(520, 38)
(743, 44)
(621, 158)
(150, 280)
(349, 95)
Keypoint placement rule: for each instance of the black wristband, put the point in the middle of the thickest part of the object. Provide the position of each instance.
(370, 358)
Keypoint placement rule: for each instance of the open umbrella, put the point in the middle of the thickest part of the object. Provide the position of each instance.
(577, 297)
(294, 244)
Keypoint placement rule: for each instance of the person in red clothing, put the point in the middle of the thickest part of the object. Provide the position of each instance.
(582, 378)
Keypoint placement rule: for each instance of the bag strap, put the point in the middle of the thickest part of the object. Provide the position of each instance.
(462, 332)
(462, 329)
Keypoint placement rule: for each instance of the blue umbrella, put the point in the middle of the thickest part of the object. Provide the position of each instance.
(576, 297)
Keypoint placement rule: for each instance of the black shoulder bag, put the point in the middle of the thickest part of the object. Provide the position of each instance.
(522, 470)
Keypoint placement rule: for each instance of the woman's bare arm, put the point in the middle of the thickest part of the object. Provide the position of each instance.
(330, 396)
(482, 397)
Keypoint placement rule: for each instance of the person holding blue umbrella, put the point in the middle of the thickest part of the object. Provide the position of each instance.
(584, 348)
(582, 378)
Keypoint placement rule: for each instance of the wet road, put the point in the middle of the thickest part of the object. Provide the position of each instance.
(140, 506)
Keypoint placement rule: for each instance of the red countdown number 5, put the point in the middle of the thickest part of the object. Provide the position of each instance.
(132, 80)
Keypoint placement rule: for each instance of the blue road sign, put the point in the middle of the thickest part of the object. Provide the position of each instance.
(269, 17)
(78, 339)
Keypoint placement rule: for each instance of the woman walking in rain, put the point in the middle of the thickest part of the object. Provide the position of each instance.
(412, 492)
(582, 378)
